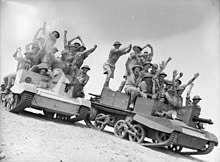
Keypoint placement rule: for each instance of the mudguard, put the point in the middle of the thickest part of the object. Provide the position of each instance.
(161, 124)
(211, 137)
(21, 87)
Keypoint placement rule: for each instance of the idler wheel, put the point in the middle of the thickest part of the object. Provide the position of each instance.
(99, 122)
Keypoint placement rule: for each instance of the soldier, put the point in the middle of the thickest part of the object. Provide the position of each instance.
(42, 69)
(122, 85)
(175, 99)
(146, 86)
(195, 99)
(82, 55)
(83, 79)
(109, 66)
(178, 82)
(146, 56)
(146, 66)
(134, 58)
(50, 58)
(60, 66)
(132, 84)
(23, 63)
(154, 68)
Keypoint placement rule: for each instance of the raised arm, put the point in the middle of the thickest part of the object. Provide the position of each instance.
(89, 51)
(65, 38)
(173, 80)
(17, 55)
(179, 76)
(70, 41)
(127, 50)
(82, 43)
(189, 90)
(127, 67)
(192, 80)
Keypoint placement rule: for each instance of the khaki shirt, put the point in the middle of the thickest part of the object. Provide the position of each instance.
(82, 78)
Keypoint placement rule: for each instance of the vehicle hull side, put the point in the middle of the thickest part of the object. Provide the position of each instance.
(21, 87)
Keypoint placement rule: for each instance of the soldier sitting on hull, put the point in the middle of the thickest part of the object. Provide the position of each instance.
(114, 55)
(133, 83)
(60, 66)
(175, 99)
(23, 63)
(41, 69)
(154, 68)
(122, 85)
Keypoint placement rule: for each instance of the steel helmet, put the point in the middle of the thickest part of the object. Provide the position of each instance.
(116, 43)
(196, 97)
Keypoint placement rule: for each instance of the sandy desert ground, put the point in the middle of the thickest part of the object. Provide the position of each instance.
(26, 137)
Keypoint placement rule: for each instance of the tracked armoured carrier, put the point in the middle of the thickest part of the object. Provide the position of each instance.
(174, 129)
(48, 94)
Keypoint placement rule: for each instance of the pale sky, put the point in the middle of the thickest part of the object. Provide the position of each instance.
(186, 30)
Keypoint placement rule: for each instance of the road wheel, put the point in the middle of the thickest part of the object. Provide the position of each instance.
(48, 114)
(139, 135)
(162, 136)
(98, 123)
(120, 129)
(175, 148)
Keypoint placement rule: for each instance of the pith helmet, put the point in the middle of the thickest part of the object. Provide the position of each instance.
(147, 62)
(82, 47)
(147, 75)
(196, 97)
(162, 73)
(28, 52)
(155, 66)
(168, 82)
(85, 67)
(64, 52)
(116, 43)
(137, 47)
(136, 66)
(180, 88)
(43, 66)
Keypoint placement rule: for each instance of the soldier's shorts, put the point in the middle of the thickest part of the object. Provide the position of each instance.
(109, 69)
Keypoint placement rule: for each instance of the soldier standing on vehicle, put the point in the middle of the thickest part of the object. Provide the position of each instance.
(147, 56)
(146, 67)
(109, 66)
(83, 79)
(134, 58)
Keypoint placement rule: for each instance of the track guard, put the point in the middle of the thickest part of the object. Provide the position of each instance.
(157, 123)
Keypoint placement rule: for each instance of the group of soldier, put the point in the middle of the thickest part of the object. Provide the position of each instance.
(142, 78)
(146, 79)
(40, 57)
